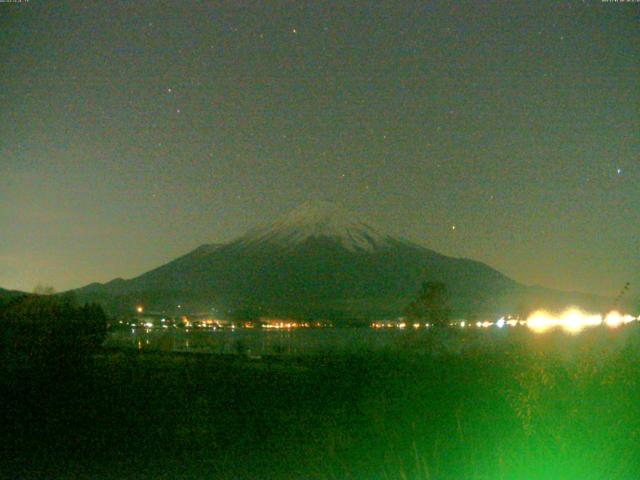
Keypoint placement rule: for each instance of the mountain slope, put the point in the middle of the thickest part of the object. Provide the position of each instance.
(317, 261)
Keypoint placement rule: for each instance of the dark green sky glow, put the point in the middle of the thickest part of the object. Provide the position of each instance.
(132, 132)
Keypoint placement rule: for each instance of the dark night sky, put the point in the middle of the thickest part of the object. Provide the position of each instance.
(132, 132)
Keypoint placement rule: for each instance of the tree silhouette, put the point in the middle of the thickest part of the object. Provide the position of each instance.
(41, 289)
(431, 305)
(50, 330)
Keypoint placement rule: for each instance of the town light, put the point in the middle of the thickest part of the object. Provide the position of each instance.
(615, 319)
(574, 320)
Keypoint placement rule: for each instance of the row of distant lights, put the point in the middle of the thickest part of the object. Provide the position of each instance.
(214, 325)
(572, 320)
(462, 324)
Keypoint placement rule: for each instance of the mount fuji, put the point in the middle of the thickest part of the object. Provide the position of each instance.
(320, 220)
(319, 261)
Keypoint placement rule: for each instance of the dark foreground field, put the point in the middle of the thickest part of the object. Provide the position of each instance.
(548, 407)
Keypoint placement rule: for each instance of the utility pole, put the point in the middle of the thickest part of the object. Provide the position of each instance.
(622, 293)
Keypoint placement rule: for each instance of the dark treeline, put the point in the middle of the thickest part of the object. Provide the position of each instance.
(51, 331)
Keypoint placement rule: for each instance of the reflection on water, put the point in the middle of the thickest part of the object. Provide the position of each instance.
(329, 341)
(255, 342)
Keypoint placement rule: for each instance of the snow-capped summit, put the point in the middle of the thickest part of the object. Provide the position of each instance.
(319, 219)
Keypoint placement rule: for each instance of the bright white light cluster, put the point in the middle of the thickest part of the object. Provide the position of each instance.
(574, 320)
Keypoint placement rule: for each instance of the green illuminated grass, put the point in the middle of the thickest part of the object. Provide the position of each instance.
(530, 407)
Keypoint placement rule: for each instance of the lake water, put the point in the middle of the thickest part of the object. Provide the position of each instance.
(329, 341)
